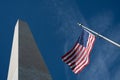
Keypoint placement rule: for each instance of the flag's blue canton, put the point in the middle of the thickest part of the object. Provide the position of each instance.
(83, 38)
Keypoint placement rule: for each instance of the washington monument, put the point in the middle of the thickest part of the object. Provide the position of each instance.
(26, 62)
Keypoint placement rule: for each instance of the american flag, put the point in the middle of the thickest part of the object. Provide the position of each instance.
(78, 57)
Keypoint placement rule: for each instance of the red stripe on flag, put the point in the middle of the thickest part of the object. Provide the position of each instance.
(69, 50)
(77, 57)
(74, 56)
(71, 54)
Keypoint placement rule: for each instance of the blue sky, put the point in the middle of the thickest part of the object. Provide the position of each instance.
(54, 26)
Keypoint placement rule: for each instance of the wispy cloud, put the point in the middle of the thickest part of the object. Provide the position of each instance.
(68, 16)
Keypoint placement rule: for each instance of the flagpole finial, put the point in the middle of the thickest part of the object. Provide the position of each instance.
(80, 24)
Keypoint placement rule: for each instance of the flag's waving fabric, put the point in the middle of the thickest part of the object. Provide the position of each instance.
(78, 57)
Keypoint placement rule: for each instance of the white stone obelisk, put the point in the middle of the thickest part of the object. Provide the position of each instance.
(26, 62)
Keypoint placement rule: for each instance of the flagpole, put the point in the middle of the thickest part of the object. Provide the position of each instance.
(105, 38)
